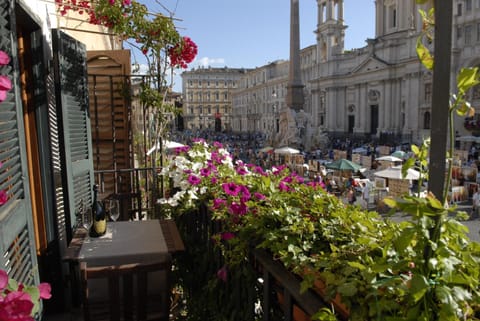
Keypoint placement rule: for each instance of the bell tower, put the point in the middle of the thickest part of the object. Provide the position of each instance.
(330, 29)
(393, 16)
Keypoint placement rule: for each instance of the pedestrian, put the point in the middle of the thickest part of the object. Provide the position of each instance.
(351, 197)
(475, 204)
(365, 194)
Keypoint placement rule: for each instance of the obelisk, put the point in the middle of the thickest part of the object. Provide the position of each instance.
(294, 98)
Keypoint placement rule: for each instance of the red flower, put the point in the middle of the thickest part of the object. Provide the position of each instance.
(16, 305)
(183, 53)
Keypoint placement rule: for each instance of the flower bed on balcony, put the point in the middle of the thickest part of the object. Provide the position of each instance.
(380, 269)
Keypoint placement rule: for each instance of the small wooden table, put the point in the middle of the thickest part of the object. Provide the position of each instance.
(126, 242)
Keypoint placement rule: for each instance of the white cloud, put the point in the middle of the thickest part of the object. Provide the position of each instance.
(206, 62)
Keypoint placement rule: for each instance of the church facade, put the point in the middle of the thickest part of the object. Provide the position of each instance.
(378, 91)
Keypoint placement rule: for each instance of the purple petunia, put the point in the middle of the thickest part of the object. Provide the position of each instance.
(222, 274)
(231, 189)
(194, 180)
(238, 208)
(218, 203)
(205, 172)
(227, 236)
(259, 196)
(217, 145)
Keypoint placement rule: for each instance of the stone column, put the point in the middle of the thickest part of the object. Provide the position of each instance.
(340, 11)
(294, 98)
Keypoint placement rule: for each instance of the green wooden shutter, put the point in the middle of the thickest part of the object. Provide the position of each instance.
(71, 93)
(17, 241)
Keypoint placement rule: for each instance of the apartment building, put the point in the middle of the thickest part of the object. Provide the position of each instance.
(207, 101)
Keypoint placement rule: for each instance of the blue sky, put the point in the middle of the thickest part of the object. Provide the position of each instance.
(252, 33)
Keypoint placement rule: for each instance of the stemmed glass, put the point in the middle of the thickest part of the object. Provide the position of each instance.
(113, 209)
(86, 216)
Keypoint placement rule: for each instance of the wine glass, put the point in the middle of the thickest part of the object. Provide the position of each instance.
(114, 209)
(86, 214)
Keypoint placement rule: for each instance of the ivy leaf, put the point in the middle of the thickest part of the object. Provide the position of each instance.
(419, 286)
(347, 289)
(390, 202)
(357, 265)
(424, 55)
(466, 79)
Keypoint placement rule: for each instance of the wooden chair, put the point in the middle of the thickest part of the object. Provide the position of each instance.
(125, 292)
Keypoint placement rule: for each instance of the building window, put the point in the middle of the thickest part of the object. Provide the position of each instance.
(209, 110)
(468, 5)
(217, 96)
(426, 120)
(459, 32)
(200, 110)
(225, 96)
(459, 9)
(468, 34)
(428, 93)
(190, 83)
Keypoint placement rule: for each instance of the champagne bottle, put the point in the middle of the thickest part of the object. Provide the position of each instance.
(99, 226)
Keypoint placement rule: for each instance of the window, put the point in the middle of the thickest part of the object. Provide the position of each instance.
(468, 34)
(217, 96)
(459, 32)
(225, 96)
(426, 120)
(468, 5)
(428, 93)
(459, 9)
(209, 110)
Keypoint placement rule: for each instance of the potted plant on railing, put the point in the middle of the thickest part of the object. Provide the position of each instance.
(424, 268)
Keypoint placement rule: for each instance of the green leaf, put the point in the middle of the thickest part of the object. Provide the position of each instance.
(419, 286)
(357, 265)
(390, 202)
(424, 55)
(467, 78)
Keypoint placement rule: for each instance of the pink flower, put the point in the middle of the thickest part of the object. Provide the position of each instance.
(3, 279)
(3, 95)
(112, 2)
(3, 197)
(217, 144)
(238, 209)
(16, 306)
(227, 236)
(205, 172)
(231, 189)
(222, 274)
(259, 196)
(5, 83)
(4, 58)
(218, 203)
(45, 290)
(127, 2)
(194, 180)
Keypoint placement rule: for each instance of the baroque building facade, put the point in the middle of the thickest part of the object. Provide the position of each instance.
(207, 102)
(377, 92)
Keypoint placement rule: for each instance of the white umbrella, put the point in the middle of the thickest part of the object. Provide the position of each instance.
(395, 172)
(359, 150)
(167, 145)
(389, 158)
(266, 149)
(468, 138)
(286, 150)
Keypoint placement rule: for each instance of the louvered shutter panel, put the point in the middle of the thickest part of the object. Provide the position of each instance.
(71, 93)
(17, 247)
